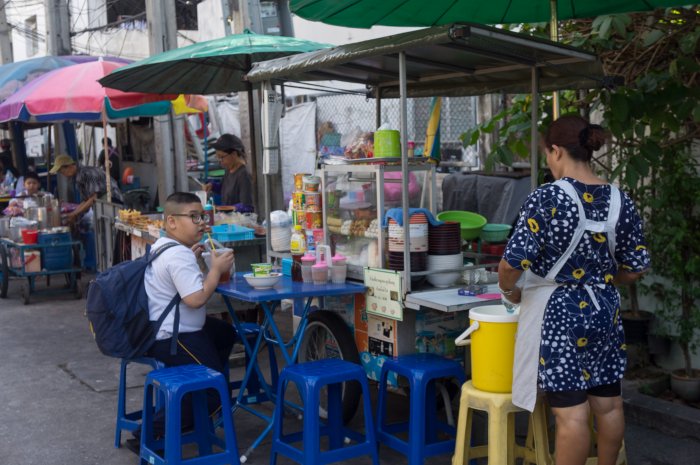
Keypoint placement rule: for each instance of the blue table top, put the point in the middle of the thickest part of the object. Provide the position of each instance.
(285, 289)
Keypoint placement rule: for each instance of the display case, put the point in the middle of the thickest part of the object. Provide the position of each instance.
(355, 199)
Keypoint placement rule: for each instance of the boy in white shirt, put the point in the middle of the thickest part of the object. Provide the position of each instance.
(201, 339)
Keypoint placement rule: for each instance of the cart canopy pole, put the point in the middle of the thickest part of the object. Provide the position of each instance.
(534, 136)
(403, 90)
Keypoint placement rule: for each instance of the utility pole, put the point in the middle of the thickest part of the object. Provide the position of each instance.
(58, 43)
(57, 27)
(170, 157)
(5, 37)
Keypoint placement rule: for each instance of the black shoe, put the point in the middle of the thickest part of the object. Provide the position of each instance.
(134, 445)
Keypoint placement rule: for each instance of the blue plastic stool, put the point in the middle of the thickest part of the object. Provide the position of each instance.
(174, 383)
(255, 393)
(130, 421)
(310, 378)
(421, 370)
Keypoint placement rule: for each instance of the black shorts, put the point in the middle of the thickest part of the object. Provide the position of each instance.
(561, 399)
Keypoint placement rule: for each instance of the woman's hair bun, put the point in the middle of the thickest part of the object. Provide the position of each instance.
(592, 137)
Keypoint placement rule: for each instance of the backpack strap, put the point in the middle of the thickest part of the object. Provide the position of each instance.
(160, 250)
(175, 302)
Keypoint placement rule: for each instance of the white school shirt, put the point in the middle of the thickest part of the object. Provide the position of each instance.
(175, 271)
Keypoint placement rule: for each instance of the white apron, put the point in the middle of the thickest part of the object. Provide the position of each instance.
(537, 291)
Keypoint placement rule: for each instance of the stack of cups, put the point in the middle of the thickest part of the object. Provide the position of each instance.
(339, 269)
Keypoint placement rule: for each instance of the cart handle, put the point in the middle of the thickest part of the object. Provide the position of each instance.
(462, 338)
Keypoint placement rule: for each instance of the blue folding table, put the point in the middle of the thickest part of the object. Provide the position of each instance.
(269, 300)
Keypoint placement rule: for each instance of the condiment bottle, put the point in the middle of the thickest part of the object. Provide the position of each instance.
(297, 245)
(209, 211)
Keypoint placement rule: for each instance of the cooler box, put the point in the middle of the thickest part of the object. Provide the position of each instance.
(56, 256)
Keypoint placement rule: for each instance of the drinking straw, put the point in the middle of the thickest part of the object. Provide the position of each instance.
(211, 242)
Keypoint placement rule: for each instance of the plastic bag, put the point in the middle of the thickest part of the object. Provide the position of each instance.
(279, 219)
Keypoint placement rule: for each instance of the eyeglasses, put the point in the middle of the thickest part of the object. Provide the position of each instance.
(196, 219)
(221, 157)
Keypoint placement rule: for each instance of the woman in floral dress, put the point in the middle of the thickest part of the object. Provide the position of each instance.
(575, 239)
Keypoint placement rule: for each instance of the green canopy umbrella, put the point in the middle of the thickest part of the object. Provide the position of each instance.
(212, 67)
(421, 13)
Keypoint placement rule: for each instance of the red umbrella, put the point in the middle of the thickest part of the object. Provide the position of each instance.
(74, 93)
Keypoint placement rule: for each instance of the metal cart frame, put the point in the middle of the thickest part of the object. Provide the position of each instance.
(7, 271)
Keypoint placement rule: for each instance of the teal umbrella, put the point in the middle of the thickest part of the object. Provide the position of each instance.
(421, 13)
(212, 67)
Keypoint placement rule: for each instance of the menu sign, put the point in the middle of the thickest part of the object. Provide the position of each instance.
(383, 294)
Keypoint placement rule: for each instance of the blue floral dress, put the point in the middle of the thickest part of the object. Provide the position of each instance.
(582, 342)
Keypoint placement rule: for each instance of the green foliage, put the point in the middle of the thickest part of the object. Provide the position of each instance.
(654, 120)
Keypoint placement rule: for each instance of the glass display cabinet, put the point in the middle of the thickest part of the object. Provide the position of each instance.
(355, 200)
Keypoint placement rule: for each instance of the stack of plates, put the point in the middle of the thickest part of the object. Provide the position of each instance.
(444, 262)
(419, 261)
(445, 239)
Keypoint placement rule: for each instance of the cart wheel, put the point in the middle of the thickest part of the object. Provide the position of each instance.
(327, 336)
(4, 272)
(25, 293)
(78, 290)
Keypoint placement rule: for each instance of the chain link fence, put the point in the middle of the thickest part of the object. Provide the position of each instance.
(351, 114)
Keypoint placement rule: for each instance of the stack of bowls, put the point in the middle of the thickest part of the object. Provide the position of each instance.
(444, 262)
(280, 238)
(419, 261)
(445, 239)
(418, 234)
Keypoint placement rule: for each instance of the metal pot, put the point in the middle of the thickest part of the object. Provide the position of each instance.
(40, 215)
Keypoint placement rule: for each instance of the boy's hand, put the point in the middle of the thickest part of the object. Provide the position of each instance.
(198, 248)
(222, 261)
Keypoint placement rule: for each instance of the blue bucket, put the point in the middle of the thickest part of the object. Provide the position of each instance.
(55, 256)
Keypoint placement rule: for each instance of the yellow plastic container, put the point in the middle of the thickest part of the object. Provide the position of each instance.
(492, 330)
(387, 143)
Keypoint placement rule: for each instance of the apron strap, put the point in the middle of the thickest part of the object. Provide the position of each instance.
(578, 233)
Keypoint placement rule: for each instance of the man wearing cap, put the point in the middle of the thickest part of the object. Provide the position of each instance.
(91, 183)
(237, 185)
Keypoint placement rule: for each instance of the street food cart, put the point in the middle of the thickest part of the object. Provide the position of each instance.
(451, 60)
(48, 253)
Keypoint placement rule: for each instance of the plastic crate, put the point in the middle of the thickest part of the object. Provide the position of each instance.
(56, 257)
(231, 232)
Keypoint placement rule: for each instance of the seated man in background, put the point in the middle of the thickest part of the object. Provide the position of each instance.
(91, 183)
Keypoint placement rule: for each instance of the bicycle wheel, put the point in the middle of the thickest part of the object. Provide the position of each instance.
(327, 336)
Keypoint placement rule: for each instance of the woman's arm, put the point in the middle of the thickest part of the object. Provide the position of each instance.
(624, 277)
(507, 277)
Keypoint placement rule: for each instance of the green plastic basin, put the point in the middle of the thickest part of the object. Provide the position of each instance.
(495, 232)
(471, 223)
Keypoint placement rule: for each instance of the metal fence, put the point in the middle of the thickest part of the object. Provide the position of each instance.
(353, 113)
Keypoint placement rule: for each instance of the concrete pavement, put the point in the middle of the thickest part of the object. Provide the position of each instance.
(58, 396)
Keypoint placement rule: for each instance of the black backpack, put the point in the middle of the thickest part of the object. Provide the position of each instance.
(117, 308)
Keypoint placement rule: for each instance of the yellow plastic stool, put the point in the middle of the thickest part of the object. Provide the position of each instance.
(501, 448)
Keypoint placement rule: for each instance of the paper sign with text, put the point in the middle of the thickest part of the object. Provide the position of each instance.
(384, 293)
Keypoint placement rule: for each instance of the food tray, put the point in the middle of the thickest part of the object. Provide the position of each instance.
(231, 232)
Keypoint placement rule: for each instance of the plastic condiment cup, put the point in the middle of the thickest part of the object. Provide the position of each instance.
(261, 269)
(319, 273)
(339, 273)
